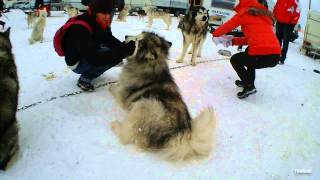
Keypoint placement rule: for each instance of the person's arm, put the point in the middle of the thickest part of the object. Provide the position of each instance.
(80, 40)
(238, 41)
(228, 26)
(110, 40)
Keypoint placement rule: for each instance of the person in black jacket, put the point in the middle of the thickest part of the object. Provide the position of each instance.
(90, 54)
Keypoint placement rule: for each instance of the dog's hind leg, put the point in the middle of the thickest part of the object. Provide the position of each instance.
(186, 43)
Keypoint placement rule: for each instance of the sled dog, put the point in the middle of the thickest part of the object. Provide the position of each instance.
(30, 18)
(141, 15)
(38, 28)
(71, 11)
(194, 27)
(158, 119)
(123, 14)
(9, 88)
(153, 13)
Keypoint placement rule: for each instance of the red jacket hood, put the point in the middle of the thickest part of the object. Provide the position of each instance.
(244, 4)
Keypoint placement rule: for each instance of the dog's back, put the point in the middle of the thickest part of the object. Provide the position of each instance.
(9, 88)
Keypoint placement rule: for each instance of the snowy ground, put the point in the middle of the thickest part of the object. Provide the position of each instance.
(269, 135)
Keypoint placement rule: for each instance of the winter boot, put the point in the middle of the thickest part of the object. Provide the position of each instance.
(85, 84)
(247, 90)
(238, 83)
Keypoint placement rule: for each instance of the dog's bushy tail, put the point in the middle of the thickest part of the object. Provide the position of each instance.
(195, 144)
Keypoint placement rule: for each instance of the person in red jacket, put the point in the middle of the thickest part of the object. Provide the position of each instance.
(263, 46)
(287, 14)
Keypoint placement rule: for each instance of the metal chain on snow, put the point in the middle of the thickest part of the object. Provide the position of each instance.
(105, 84)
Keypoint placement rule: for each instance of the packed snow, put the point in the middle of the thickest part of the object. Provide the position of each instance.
(65, 133)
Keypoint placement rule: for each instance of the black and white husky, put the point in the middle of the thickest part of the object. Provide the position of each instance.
(9, 88)
(158, 119)
(194, 27)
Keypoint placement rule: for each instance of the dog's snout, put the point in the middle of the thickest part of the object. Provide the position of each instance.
(204, 18)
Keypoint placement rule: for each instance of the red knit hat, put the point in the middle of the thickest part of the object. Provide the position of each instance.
(102, 6)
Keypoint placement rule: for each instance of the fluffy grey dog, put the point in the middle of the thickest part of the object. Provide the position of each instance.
(9, 87)
(158, 119)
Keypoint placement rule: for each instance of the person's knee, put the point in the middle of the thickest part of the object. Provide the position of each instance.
(234, 59)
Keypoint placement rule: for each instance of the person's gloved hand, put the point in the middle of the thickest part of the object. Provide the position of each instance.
(128, 48)
(225, 40)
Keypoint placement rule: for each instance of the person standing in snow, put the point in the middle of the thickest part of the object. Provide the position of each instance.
(263, 46)
(287, 13)
(91, 53)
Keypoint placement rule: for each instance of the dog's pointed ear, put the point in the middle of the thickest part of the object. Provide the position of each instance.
(194, 12)
(7, 32)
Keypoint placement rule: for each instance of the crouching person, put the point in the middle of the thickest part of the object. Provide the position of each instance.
(88, 45)
(263, 47)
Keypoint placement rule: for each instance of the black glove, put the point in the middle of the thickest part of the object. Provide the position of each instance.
(128, 48)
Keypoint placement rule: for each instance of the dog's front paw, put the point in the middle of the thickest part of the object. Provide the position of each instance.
(199, 55)
(193, 63)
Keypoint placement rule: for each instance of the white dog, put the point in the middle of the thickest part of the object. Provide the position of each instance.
(72, 11)
(38, 28)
